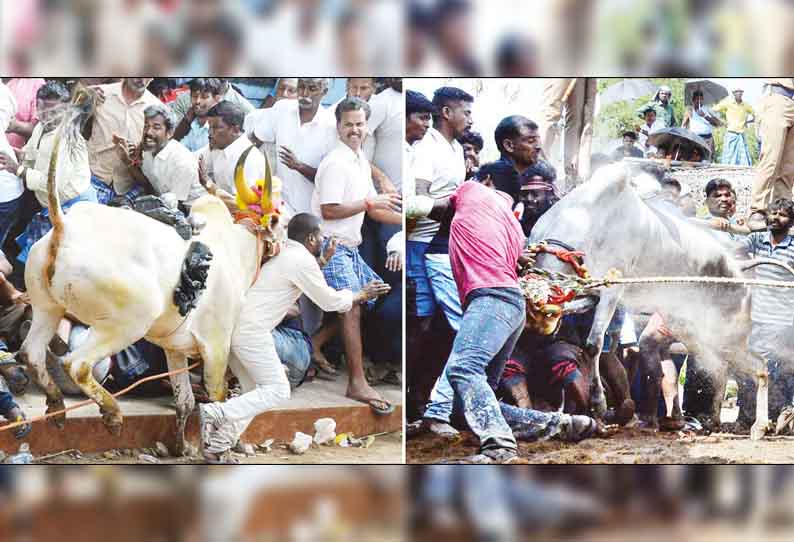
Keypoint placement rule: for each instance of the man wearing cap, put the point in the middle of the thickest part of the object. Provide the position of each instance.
(701, 120)
(738, 115)
(661, 104)
(775, 170)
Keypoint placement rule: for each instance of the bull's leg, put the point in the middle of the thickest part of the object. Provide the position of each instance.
(183, 395)
(595, 342)
(34, 354)
(100, 344)
(618, 382)
(718, 375)
(216, 360)
(761, 424)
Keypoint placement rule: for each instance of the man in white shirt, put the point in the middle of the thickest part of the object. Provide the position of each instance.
(227, 143)
(701, 120)
(344, 194)
(11, 188)
(253, 358)
(304, 133)
(73, 172)
(286, 89)
(117, 121)
(166, 165)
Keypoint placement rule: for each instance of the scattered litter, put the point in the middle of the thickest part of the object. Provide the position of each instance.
(325, 431)
(301, 443)
(161, 449)
(148, 458)
(110, 454)
(348, 440)
(267, 446)
(24, 456)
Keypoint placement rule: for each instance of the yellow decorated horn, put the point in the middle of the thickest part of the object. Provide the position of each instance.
(245, 196)
(267, 189)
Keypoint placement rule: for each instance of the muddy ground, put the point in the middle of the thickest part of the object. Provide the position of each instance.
(385, 449)
(630, 446)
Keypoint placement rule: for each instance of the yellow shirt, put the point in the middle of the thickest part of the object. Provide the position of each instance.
(736, 114)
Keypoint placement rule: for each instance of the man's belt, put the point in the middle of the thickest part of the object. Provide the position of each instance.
(779, 89)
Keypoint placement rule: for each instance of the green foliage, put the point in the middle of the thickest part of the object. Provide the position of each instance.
(616, 118)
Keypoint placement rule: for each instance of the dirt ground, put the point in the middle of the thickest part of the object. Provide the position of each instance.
(386, 449)
(630, 446)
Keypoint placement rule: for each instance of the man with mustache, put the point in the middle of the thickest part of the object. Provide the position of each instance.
(166, 166)
(772, 333)
(721, 209)
(304, 133)
(345, 193)
(116, 124)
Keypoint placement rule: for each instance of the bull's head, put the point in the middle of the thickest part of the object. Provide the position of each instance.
(543, 318)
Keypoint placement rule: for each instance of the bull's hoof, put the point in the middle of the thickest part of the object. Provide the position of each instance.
(758, 430)
(113, 422)
(598, 406)
(625, 412)
(671, 424)
(60, 420)
(188, 450)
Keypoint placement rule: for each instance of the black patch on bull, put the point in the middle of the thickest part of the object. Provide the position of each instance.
(193, 278)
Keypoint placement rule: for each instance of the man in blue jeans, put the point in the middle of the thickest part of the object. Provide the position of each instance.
(485, 249)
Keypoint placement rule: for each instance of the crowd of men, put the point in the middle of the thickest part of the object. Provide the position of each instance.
(333, 289)
(467, 230)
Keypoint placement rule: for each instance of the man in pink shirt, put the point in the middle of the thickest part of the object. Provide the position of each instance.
(24, 90)
(485, 248)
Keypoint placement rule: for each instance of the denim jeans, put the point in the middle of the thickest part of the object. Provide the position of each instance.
(492, 323)
(295, 352)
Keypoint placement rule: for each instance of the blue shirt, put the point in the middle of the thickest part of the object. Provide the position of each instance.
(197, 137)
(771, 305)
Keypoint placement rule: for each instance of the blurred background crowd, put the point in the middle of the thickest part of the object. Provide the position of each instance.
(508, 38)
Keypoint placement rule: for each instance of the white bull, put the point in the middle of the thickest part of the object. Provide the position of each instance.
(115, 270)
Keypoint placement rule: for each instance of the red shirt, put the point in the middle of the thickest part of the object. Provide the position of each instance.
(485, 239)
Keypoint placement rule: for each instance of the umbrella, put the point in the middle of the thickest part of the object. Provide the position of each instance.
(626, 90)
(712, 92)
(680, 142)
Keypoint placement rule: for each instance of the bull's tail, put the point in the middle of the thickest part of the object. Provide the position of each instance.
(68, 134)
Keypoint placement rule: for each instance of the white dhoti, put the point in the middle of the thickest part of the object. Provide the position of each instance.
(263, 380)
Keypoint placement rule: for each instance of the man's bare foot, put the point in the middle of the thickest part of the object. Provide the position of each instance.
(364, 393)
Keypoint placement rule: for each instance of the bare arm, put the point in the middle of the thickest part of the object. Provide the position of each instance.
(386, 217)
(381, 202)
(383, 184)
(183, 127)
(25, 129)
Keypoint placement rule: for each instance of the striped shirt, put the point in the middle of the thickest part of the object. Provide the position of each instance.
(771, 305)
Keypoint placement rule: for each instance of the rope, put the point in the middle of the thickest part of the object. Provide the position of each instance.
(593, 283)
(91, 401)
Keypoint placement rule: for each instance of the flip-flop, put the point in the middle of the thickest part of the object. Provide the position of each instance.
(325, 370)
(224, 458)
(374, 405)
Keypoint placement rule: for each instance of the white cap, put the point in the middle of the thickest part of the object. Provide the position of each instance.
(665, 88)
(737, 89)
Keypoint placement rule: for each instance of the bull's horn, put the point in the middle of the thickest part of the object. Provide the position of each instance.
(244, 192)
(267, 189)
(579, 305)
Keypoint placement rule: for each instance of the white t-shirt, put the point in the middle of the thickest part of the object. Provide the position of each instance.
(344, 176)
(221, 164)
(175, 170)
(699, 124)
(441, 163)
(11, 186)
(386, 131)
(310, 142)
